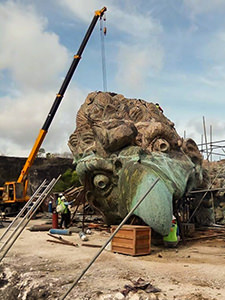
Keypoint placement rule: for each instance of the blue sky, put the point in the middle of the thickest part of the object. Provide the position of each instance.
(166, 51)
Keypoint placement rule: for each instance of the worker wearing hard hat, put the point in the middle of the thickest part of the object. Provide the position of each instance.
(62, 207)
(159, 107)
(173, 238)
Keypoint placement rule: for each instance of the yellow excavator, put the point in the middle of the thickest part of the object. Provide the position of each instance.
(15, 192)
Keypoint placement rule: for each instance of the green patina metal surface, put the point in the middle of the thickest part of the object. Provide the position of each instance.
(120, 146)
(116, 183)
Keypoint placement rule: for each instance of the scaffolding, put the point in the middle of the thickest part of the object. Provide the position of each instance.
(213, 150)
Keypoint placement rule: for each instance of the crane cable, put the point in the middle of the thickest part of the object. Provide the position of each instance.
(103, 34)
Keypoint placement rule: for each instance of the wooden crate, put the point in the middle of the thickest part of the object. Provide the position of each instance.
(132, 240)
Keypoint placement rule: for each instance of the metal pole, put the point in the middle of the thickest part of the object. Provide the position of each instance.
(103, 57)
(83, 215)
(211, 184)
(202, 143)
(215, 153)
(210, 134)
(36, 203)
(205, 137)
(23, 209)
(213, 207)
(215, 142)
(111, 237)
(53, 182)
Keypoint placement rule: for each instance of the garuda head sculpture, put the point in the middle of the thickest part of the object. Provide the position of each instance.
(120, 147)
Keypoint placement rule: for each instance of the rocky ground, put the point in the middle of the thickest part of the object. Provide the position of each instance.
(37, 269)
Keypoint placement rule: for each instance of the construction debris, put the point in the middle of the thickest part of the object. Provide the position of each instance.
(41, 227)
(60, 231)
(50, 275)
(61, 240)
(83, 236)
(140, 284)
(91, 245)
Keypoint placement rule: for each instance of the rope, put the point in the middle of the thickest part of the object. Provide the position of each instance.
(102, 34)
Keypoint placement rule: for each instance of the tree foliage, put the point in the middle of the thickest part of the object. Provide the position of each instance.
(67, 180)
(41, 152)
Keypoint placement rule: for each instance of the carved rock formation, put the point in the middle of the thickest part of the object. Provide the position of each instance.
(120, 146)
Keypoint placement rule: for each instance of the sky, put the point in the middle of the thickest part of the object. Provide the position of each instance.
(166, 51)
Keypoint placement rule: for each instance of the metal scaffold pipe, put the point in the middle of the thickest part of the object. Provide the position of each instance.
(111, 237)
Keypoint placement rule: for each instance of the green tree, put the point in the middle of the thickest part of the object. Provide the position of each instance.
(67, 180)
(41, 152)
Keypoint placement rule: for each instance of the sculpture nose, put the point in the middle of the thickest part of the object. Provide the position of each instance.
(156, 210)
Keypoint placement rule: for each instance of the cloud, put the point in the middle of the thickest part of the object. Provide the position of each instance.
(159, 52)
(141, 54)
(83, 10)
(215, 48)
(195, 129)
(24, 115)
(127, 20)
(64, 122)
(213, 58)
(198, 7)
(32, 56)
(31, 63)
(136, 63)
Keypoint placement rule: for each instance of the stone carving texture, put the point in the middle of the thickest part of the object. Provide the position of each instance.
(112, 135)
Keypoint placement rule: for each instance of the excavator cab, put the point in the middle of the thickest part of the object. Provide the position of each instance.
(12, 196)
(13, 192)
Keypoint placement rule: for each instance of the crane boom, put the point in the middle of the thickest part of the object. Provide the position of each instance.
(15, 192)
(58, 98)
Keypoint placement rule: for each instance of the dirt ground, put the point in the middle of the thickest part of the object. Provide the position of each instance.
(37, 269)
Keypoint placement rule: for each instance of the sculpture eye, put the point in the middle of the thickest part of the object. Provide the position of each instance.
(101, 181)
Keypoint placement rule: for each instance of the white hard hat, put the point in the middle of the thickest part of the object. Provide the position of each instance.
(60, 194)
(63, 198)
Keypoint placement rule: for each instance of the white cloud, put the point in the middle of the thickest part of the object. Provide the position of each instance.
(213, 56)
(208, 82)
(128, 21)
(141, 55)
(198, 7)
(83, 10)
(34, 60)
(136, 64)
(194, 128)
(140, 26)
(31, 55)
(215, 48)
(23, 116)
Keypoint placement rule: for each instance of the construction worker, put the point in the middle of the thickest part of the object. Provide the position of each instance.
(62, 207)
(159, 107)
(59, 198)
(173, 238)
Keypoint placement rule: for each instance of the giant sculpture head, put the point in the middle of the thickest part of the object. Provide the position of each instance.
(120, 146)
